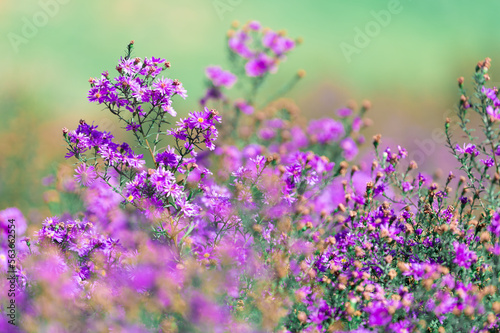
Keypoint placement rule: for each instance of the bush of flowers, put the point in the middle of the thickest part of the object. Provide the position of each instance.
(247, 217)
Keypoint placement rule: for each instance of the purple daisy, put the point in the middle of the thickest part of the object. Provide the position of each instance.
(85, 174)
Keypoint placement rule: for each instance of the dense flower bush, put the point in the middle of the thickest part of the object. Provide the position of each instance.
(246, 217)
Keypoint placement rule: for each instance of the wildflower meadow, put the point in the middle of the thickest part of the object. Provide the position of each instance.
(246, 215)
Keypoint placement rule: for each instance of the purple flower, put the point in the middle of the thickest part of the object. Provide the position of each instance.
(463, 256)
(204, 125)
(244, 107)
(407, 186)
(389, 169)
(278, 44)
(267, 133)
(494, 227)
(252, 150)
(298, 140)
(402, 153)
(161, 179)
(220, 77)
(164, 86)
(493, 112)
(467, 149)
(200, 119)
(379, 189)
(238, 43)
(179, 89)
(129, 66)
(495, 249)
(350, 148)
(379, 316)
(489, 162)
(15, 214)
(421, 178)
(254, 25)
(357, 122)
(344, 112)
(294, 172)
(260, 65)
(168, 157)
(81, 245)
(85, 174)
(187, 208)
(132, 126)
(490, 93)
(325, 130)
(97, 95)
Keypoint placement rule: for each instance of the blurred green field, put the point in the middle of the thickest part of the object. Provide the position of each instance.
(408, 68)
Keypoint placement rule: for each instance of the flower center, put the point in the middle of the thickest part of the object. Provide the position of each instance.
(200, 120)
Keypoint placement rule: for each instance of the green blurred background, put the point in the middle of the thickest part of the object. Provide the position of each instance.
(408, 69)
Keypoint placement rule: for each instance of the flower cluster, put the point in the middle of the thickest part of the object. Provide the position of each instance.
(86, 138)
(196, 129)
(262, 48)
(138, 85)
(277, 228)
(81, 239)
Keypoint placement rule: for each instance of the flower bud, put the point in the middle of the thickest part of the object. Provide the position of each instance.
(485, 237)
(376, 139)
(302, 317)
(367, 105)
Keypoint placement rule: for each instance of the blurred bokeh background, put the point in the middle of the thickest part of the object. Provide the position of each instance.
(406, 63)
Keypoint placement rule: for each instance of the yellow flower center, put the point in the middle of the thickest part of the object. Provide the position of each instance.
(200, 120)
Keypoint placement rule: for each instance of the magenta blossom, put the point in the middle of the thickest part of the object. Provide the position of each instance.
(261, 65)
(488, 162)
(467, 149)
(350, 148)
(220, 77)
(244, 107)
(277, 43)
(85, 174)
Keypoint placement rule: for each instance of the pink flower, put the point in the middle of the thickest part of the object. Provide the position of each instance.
(85, 174)
(220, 77)
(261, 65)
(244, 107)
